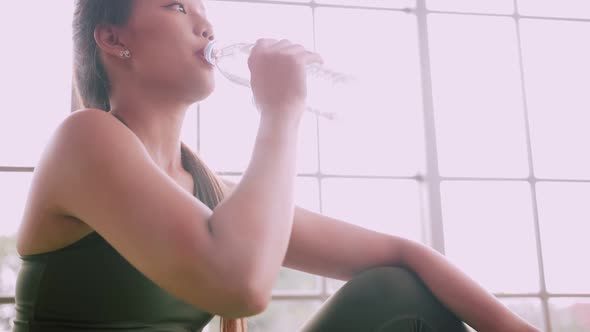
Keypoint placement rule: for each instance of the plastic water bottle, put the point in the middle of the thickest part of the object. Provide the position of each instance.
(322, 83)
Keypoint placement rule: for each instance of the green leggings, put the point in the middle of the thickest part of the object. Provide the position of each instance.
(384, 299)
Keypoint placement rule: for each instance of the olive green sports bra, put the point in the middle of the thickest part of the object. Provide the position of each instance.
(89, 286)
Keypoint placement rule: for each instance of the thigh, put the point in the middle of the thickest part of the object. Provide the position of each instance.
(381, 300)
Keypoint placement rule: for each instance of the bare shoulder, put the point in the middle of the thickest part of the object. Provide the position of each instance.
(89, 137)
(46, 223)
(87, 115)
(85, 133)
(85, 142)
(93, 124)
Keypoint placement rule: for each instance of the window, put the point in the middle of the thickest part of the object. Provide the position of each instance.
(470, 136)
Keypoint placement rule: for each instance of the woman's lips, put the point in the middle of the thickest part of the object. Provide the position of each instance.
(202, 57)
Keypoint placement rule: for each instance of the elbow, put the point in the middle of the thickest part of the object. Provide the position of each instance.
(250, 295)
(232, 302)
(246, 302)
(255, 305)
(256, 298)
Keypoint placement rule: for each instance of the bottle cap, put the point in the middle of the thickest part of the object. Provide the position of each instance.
(209, 52)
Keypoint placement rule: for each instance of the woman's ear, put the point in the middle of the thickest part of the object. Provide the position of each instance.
(108, 39)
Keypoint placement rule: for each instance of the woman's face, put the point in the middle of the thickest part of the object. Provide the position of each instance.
(166, 38)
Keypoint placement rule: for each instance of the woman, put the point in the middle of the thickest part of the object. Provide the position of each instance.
(126, 229)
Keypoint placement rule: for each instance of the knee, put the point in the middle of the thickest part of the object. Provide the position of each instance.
(386, 272)
(388, 279)
(403, 292)
(393, 286)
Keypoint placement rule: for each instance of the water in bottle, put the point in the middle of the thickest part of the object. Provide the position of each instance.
(324, 86)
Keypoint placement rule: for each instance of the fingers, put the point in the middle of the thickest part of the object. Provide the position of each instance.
(300, 52)
(263, 44)
(303, 55)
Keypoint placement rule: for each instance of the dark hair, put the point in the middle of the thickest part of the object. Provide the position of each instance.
(92, 90)
(91, 82)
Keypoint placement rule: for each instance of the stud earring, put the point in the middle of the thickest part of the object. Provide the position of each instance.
(125, 54)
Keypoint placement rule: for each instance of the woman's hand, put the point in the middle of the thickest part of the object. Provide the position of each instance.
(278, 77)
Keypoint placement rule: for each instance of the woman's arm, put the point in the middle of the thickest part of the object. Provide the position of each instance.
(333, 248)
(459, 293)
(256, 218)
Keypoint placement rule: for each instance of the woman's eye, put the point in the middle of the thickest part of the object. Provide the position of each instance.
(179, 5)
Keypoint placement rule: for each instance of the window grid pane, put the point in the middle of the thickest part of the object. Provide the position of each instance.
(570, 314)
(530, 309)
(556, 70)
(477, 96)
(371, 3)
(380, 127)
(7, 315)
(551, 8)
(490, 235)
(563, 219)
(470, 6)
(35, 77)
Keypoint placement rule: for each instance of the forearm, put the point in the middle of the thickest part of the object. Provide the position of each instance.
(463, 296)
(253, 223)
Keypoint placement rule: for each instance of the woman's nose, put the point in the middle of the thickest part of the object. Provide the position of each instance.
(207, 32)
